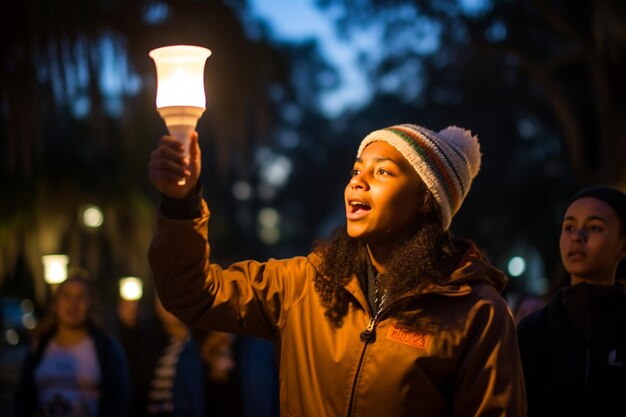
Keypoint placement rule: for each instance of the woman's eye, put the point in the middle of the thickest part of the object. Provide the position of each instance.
(568, 227)
(354, 172)
(382, 171)
(595, 228)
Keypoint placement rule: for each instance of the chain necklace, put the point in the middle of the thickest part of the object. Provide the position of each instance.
(378, 299)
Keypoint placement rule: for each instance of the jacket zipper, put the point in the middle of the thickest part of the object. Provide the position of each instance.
(369, 336)
(366, 336)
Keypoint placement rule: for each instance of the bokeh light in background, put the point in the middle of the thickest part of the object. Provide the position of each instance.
(29, 320)
(516, 266)
(242, 190)
(269, 230)
(92, 217)
(12, 337)
(131, 288)
(18, 317)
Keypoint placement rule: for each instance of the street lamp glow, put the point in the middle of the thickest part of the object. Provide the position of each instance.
(131, 288)
(55, 268)
(180, 97)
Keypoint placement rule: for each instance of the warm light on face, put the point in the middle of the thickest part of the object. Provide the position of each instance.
(55, 268)
(180, 75)
(131, 288)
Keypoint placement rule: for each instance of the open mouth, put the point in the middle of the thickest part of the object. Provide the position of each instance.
(357, 209)
(357, 205)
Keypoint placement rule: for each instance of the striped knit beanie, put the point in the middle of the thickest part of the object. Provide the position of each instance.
(447, 161)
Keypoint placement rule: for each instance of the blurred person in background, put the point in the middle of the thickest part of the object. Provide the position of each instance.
(75, 367)
(168, 373)
(391, 316)
(224, 391)
(574, 349)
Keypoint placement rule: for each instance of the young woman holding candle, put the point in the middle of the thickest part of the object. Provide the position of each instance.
(391, 316)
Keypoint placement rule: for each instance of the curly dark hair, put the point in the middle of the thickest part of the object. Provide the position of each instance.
(426, 256)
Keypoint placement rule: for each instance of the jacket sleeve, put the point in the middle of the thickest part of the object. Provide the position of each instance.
(248, 297)
(490, 379)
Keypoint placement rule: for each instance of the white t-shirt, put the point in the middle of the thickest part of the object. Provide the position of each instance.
(68, 380)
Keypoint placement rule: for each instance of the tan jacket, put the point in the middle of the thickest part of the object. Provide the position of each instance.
(460, 359)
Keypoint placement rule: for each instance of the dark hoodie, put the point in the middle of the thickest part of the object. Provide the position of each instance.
(574, 353)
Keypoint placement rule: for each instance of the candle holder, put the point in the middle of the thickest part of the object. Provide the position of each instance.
(180, 98)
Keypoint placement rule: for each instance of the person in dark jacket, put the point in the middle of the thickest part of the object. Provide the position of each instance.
(574, 349)
(166, 365)
(75, 367)
(391, 316)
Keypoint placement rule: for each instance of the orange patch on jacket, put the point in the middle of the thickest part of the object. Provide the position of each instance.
(408, 336)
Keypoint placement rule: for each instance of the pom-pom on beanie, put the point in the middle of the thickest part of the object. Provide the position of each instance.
(446, 161)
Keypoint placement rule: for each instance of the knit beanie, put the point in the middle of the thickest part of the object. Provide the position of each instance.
(446, 161)
(611, 196)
